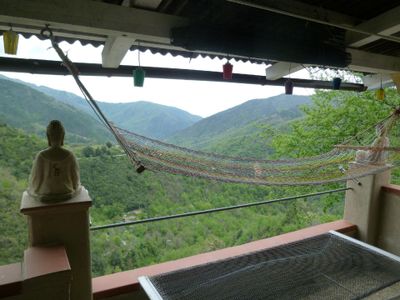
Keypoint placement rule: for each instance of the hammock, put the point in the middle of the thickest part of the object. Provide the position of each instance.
(336, 165)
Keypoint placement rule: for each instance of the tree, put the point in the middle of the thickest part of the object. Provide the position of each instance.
(88, 151)
(334, 117)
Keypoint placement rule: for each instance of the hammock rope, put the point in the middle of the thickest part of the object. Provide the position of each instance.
(336, 165)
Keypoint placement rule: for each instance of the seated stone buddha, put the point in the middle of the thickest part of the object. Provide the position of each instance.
(55, 171)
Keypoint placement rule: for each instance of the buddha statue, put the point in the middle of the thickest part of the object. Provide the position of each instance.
(376, 156)
(55, 171)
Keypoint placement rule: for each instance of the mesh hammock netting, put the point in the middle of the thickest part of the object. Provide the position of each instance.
(336, 165)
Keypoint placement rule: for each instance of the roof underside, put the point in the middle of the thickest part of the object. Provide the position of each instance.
(323, 33)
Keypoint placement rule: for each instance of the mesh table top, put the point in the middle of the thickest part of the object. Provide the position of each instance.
(328, 266)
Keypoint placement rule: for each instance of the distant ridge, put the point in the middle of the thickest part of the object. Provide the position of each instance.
(241, 129)
(146, 118)
(31, 110)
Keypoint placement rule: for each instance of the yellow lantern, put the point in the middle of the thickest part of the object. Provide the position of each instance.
(10, 39)
(380, 94)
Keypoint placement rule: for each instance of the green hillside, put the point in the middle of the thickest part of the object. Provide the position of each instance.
(244, 130)
(119, 194)
(146, 118)
(28, 109)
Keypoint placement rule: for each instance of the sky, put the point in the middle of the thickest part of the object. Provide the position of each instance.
(196, 97)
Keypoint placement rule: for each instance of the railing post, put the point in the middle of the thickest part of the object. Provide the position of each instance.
(362, 204)
(64, 223)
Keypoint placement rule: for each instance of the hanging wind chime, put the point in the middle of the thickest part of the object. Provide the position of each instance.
(336, 81)
(138, 73)
(289, 84)
(10, 40)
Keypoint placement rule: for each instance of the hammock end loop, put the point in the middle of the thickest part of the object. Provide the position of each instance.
(47, 32)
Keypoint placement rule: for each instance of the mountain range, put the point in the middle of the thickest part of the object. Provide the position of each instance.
(26, 108)
(274, 110)
(245, 129)
(30, 107)
(146, 118)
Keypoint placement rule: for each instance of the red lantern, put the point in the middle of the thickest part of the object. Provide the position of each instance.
(227, 71)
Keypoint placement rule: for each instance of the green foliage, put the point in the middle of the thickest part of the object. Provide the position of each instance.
(334, 117)
(88, 151)
(251, 140)
(13, 238)
(17, 150)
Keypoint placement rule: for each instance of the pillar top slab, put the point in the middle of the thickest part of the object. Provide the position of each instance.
(30, 205)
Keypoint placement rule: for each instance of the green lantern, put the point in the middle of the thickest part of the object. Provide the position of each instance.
(138, 76)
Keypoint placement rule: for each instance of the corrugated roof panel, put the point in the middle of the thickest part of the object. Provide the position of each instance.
(155, 50)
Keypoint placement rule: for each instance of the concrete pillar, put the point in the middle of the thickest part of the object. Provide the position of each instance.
(44, 274)
(362, 205)
(47, 274)
(64, 223)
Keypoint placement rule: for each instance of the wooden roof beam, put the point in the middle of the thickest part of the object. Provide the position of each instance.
(90, 17)
(36, 66)
(387, 23)
(114, 50)
(363, 61)
(302, 9)
(281, 69)
(118, 26)
(375, 81)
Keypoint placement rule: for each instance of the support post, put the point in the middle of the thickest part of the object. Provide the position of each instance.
(362, 204)
(114, 50)
(64, 223)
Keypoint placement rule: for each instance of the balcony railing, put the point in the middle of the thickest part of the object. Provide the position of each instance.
(127, 282)
(219, 209)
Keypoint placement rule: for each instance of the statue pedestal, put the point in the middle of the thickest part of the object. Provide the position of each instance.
(64, 223)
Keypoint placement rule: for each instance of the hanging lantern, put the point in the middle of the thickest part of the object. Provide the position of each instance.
(289, 87)
(138, 76)
(10, 39)
(336, 83)
(380, 94)
(227, 71)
